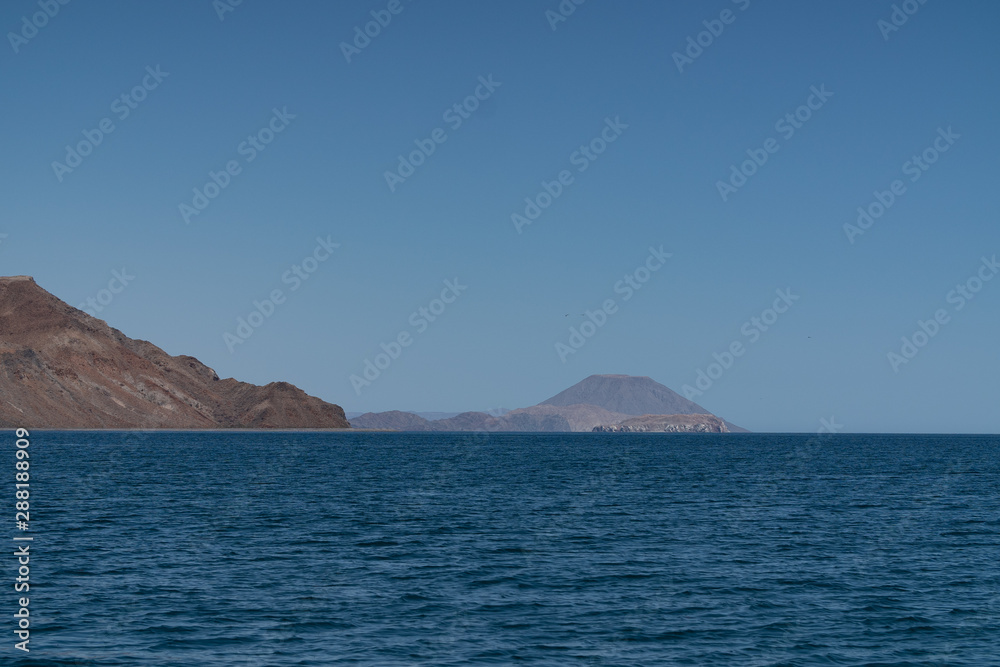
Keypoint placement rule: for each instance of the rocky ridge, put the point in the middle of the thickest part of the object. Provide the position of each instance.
(62, 368)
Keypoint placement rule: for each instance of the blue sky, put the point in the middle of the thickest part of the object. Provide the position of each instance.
(552, 91)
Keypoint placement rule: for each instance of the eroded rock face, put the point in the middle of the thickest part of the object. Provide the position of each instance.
(62, 368)
(666, 424)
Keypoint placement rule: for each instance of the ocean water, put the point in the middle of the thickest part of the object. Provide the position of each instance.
(243, 549)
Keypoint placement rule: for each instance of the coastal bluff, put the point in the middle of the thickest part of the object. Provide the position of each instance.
(61, 368)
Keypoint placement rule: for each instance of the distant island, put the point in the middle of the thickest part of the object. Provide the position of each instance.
(606, 403)
(61, 368)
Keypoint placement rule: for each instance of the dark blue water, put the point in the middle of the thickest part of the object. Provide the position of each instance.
(617, 549)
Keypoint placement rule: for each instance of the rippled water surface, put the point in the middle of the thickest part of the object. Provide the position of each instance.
(454, 549)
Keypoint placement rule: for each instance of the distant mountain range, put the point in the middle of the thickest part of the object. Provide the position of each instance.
(62, 368)
(598, 402)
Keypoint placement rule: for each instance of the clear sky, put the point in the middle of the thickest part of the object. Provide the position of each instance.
(660, 132)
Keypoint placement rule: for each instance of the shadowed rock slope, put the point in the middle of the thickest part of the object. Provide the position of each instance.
(62, 368)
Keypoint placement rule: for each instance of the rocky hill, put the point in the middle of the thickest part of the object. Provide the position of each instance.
(631, 395)
(62, 368)
(627, 394)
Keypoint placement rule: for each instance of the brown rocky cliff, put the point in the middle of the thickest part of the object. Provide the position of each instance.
(62, 368)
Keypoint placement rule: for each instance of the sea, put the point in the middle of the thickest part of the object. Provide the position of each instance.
(393, 549)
